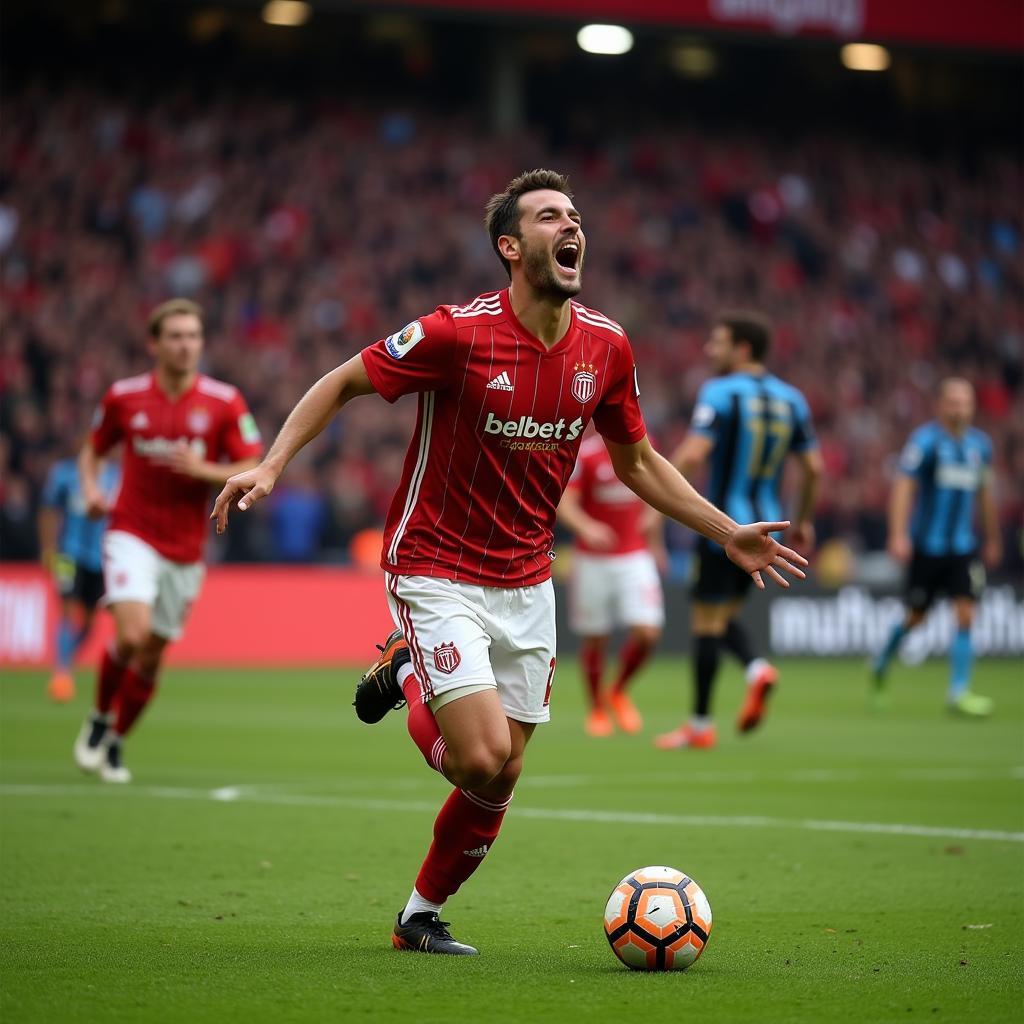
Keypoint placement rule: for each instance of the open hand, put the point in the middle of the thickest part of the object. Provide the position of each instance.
(755, 551)
(249, 487)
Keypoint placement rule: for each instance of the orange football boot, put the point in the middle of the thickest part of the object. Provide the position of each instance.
(625, 712)
(687, 736)
(61, 687)
(759, 689)
(599, 722)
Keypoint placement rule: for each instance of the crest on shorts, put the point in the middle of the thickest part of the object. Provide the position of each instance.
(584, 382)
(447, 658)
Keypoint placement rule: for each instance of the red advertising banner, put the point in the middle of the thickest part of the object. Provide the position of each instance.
(270, 616)
(982, 24)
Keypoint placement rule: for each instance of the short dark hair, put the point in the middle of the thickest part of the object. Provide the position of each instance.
(172, 307)
(501, 215)
(752, 328)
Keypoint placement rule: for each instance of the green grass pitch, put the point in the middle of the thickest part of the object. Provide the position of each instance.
(860, 868)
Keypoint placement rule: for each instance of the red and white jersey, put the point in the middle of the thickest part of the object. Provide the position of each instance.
(500, 422)
(169, 510)
(604, 497)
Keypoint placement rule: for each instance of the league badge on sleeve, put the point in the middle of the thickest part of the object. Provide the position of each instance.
(247, 428)
(703, 416)
(402, 343)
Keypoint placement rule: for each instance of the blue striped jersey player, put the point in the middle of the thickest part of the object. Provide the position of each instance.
(944, 481)
(745, 424)
(70, 547)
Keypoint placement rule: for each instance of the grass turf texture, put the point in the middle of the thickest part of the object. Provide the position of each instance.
(160, 902)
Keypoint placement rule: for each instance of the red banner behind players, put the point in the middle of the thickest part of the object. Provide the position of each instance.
(245, 616)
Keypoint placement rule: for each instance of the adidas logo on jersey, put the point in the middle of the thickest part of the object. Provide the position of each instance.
(501, 382)
(480, 851)
(139, 421)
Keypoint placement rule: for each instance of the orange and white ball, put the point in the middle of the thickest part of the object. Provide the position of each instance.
(657, 919)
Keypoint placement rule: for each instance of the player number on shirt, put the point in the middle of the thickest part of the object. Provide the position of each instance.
(768, 447)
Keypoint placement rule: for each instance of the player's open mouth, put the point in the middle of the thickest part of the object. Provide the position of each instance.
(567, 255)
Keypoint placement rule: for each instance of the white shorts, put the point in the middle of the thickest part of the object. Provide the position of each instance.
(614, 590)
(463, 635)
(135, 571)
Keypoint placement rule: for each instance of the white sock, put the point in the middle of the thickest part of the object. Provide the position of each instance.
(757, 666)
(403, 673)
(701, 723)
(417, 905)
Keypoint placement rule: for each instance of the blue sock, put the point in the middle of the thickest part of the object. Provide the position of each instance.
(961, 657)
(892, 645)
(68, 639)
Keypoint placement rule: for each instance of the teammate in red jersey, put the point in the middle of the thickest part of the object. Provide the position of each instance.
(614, 582)
(507, 385)
(176, 426)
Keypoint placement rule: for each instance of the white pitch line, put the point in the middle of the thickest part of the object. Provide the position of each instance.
(252, 794)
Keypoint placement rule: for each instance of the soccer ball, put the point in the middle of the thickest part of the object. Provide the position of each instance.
(657, 919)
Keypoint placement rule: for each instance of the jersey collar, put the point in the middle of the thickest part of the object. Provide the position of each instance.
(564, 342)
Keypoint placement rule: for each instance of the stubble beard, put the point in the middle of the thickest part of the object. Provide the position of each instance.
(541, 277)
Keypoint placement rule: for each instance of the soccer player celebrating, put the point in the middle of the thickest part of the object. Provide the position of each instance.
(176, 425)
(70, 547)
(507, 385)
(746, 421)
(945, 466)
(614, 582)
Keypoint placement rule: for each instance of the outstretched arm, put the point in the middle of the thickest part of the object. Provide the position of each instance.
(654, 479)
(314, 411)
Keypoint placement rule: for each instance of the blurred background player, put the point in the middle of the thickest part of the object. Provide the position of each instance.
(945, 467)
(467, 548)
(614, 582)
(746, 421)
(175, 425)
(70, 548)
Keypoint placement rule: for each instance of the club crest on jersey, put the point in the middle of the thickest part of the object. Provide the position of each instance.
(402, 343)
(198, 420)
(584, 382)
(447, 658)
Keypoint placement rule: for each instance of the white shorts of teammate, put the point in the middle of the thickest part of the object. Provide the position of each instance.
(465, 638)
(135, 571)
(614, 590)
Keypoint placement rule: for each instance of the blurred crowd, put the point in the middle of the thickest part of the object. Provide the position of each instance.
(309, 228)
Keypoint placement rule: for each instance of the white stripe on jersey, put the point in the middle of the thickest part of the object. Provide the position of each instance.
(489, 310)
(417, 473)
(130, 385)
(216, 388)
(595, 321)
(483, 300)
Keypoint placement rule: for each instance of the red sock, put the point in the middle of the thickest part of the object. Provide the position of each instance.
(108, 681)
(634, 654)
(592, 659)
(423, 726)
(464, 832)
(136, 692)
